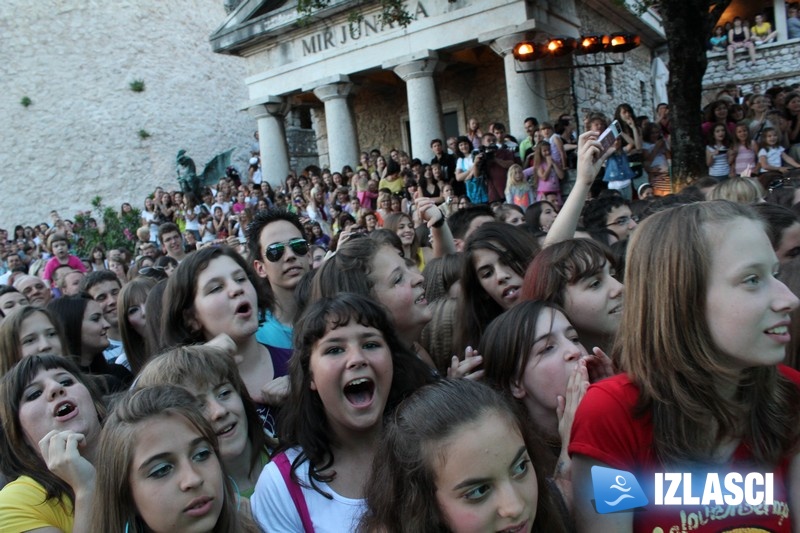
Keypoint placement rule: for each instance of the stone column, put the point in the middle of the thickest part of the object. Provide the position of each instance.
(342, 138)
(779, 12)
(424, 112)
(526, 91)
(272, 139)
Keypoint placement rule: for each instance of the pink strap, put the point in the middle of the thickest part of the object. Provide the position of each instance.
(294, 491)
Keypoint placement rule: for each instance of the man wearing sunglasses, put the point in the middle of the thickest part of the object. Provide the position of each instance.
(280, 256)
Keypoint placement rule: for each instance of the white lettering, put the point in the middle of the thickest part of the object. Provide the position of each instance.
(751, 496)
(735, 495)
(675, 479)
(712, 492)
(659, 488)
(768, 497)
(688, 499)
(369, 25)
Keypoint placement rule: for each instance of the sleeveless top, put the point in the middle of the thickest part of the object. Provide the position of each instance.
(744, 156)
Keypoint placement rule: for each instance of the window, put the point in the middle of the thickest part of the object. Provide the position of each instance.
(643, 93)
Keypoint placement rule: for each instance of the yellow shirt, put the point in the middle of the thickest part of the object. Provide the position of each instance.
(761, 30)
(421, 259)
(395, 186)
(23, 507)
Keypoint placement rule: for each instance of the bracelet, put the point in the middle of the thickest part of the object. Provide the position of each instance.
(439, 223)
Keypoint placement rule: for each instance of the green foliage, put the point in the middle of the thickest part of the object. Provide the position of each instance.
(144, 134)
(115, 231)
(392, 12)
(137, 86)
(306, 9)
(25, 101)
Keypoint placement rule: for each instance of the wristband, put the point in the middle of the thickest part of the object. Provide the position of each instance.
(439, 223)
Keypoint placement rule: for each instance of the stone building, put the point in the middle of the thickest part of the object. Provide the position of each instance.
(363, 85)
(80, 136)
(777, 63)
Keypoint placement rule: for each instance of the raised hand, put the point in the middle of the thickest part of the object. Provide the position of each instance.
(599, 365)
(275, 392)
(427, 210)
(567, 406)
(465, 368)
(61, 453)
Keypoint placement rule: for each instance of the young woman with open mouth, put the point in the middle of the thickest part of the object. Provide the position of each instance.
(213, 292)
(348, 370)
(50, 416)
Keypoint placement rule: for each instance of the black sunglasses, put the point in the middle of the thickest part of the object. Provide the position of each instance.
(275, 251)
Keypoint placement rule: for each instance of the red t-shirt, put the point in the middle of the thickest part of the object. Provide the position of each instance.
(606, 430)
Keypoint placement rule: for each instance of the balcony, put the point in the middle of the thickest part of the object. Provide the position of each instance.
(776, 64)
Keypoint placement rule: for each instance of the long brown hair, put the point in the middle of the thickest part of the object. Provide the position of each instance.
(392, 222)
(506, 347)
(199, 366)
(665, 345)
(178, 298)
(305, 420)
(401, 491)
(515, 248)
(562, 264)
(17, 456)
(114, 508)
(135, 346)
(10, 341)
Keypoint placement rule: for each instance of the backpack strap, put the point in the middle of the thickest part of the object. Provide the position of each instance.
(282, 462)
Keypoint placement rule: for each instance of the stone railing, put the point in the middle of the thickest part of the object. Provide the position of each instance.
(776, 64)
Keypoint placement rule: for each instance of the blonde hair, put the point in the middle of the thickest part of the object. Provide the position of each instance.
(739, 190)
(515, 170)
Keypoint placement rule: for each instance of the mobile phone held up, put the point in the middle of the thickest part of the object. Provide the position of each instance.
(610, 135)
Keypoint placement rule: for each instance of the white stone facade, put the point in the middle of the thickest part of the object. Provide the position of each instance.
(399, 83)
(79, 138)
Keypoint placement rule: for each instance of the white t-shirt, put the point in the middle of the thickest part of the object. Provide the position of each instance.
(194, 224)
(773, 156)
(275, 511)
(150, 217)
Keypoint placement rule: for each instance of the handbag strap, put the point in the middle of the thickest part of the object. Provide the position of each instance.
(295, 492)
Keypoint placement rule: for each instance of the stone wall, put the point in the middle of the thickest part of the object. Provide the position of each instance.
(380, 109)
(482, 89)
(776, 64)
(627, 79)
(80, 138)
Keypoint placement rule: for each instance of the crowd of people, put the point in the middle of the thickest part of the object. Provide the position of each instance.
(738, 34)
(408, 346)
